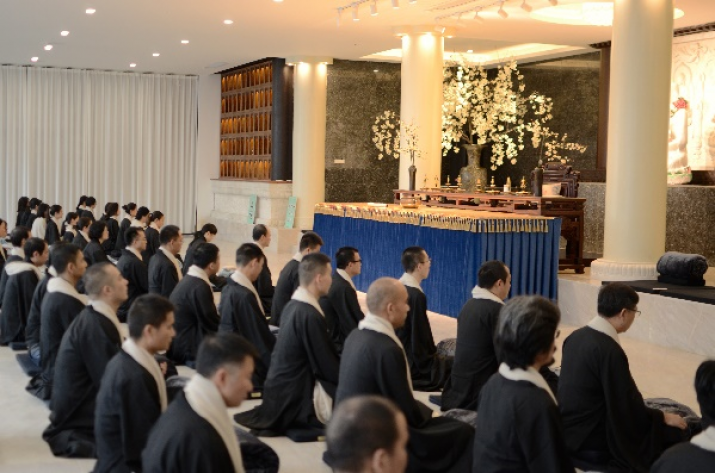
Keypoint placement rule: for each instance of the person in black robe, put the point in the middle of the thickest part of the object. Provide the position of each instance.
(54, 225)
(518, 426)
(92, 339)
(132, 394)
(164, 268)
(304, 365)
(32, 215)
(205, 235)
(374, 363)
(32, 331)
(110, 217)
(81, 205)
(196, 433)
(3, 253)
(88, 211)
(69, 227)
(60, 306)
(429, 370)
(341, 306)
(264, 283)
(23, 205)
(81, 240)
(241, 310)
(94, 251)
(18, 238)
(196, 314)
(22, 279)
(475, 359)
(153, 242)
(698, 455)
(133, 268)
(130, 211)
(607, 424)
(288, 280)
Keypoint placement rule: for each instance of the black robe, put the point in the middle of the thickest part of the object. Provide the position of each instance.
(152, 243)
(80, 241)
(52, 234)
(17, 299)
(163, 276)
(475, 360)
(518, 430)
(3, 259)
(303, 355)
(110, 243)
(123, 227)
(94, 253)
(342, 310)
(373, 364)
(602, 409)
(30, 219)
(184, 442)
(136, 273)
(264, 286)
(241, 314)
(3, 276)
(128, 406)
(32, 330)
(285, 287)
(90, 342)
(195, 317)
(429, 371)
(189, 258)
(58, 311)
(68, 236)
(87, 213)
(685, 458)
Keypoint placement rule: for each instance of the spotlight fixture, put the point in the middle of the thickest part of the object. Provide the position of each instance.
(440, 29)
(34, 59)
(373, 8)
(278, 1)
(355, 13)
(554, 2)
(155, 54)
(48, 47)
(90, 11)
(470, 51)
(227, 22)
(502, 13)
(526, 7)
(184, 41)
(478, 18)
(337, 19)
(133, 65)
(375, 71)
(64, 33)
(395, 3)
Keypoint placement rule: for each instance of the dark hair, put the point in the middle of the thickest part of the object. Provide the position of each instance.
(110, 210)
(705, 391)
(247, 253)
(259, 231)
(357, 429)
(526, 328)
(34, 202)
(96, 230)
(205, 254)
(18, 235)
(33, 245)
(345, 256)
(43, 211)
(141, 213)
(155, 215)
(131, 234)
(90, 201)
(83, 222)
(82, 201)
(310, 240)
(129, 207)
(147, 309)
(22, 204)
(614, 297)
(2, 221)
(168, 233)
(209, 227)
(492, 272)
(221, 349)
(62, 254)
(71, 216)
(310, 266)
(55, 209)
(96, 277)
(412, 257)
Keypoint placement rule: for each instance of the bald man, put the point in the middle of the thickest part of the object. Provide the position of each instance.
(374, 363)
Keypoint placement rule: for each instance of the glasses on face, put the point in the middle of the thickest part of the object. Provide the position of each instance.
(357, 261)
(427, 261)
(636, 312)
(557, 334)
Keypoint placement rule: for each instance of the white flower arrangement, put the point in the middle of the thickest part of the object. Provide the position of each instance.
(552, 144)
(390, 133)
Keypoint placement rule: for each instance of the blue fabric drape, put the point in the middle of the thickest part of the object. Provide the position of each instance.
(456, 256)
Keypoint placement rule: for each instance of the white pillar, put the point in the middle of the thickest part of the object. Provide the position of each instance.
(208, 157)
(421, 99)
(309, 109)
(636, 189)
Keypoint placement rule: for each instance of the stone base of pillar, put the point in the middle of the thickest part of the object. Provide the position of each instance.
(604, 270)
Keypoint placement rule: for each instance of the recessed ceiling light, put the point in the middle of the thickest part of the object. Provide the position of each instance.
(34, 59)
(227, 22)
(278, 1)
(90, 11)
(133, 64)
(375, 70)
(470, 51)
(48, 47)
(184, 41)
(155, 54)
(64, 33)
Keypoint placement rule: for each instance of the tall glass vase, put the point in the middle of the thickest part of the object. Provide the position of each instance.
(413, 176)
(472, 172)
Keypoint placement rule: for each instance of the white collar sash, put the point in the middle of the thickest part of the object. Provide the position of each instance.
(197, 272)
(529, 374)
(135, 252)
(239, 278)
(18, 252)
(602, 325)
(85, 235)
(380, 325)
(298, 257)
(481, 293)
(57, 284)
(205, 399)
(104, 309)
(302, 295)
(410, 281)
(173, 259)
(149, 363)
(17, 267)
(705, 439)
(155, 227)
(343, 274)
(136, 223)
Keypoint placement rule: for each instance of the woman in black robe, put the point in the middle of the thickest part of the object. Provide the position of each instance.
(205, 235)
(69, 227)
(54, 224)
(3, 252)
(23, 207)
(111, 214)
(94, 252)
(130, 211)
(156, 221)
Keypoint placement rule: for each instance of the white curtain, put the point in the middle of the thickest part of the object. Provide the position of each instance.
(120, 137)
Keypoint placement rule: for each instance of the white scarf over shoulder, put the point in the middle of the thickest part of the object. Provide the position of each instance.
(602, 325)
(301, 294)
(239, 278)
(196, 272)
(58, 284)
(17, 267)
(481, 293)
(173, 259)
(705, 439)
(410, 281)
(149, 363)
(529, 374)
(104, 309)
(134, 251)
(204, 398)
(380, 325)
(343, 274)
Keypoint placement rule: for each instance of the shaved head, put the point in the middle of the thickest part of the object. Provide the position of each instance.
(383, 292)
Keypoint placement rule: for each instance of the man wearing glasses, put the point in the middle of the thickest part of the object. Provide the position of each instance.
(341, 307)
(607, 425)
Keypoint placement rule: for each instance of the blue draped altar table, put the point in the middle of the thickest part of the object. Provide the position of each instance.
(457, 241)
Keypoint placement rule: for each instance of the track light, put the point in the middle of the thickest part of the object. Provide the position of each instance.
(337, 19)
(412, 2)
(395, 3)
(502, 13)
(355, 12)
(478, 18)
(373, 8)
(526, 7)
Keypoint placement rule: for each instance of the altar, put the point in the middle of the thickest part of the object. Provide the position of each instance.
(458, 241)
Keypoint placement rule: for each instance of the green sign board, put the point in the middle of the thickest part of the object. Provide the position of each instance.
(252, 200)
(290, 213)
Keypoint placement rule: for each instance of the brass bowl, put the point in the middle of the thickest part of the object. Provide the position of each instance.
(409, 203)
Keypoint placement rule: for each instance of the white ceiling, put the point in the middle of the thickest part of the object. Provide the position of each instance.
(125, 31)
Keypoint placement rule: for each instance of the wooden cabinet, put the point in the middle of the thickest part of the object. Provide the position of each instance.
(256, 121)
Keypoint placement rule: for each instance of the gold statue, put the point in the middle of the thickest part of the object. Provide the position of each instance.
(492, 183)
(436, 182)
(446, 184)
(459, 181)
(522, 185)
